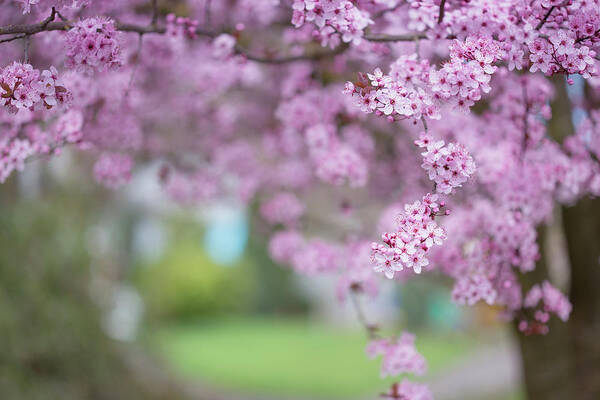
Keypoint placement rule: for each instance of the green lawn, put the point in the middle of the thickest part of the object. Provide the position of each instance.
(287, 357)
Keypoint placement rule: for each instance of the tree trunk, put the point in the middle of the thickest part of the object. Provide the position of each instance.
(546, 360)
(565, 364)
(582, 230)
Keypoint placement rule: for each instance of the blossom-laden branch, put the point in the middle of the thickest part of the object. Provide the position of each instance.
(49, 24)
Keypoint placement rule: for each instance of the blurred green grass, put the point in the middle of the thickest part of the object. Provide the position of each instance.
(288, 357)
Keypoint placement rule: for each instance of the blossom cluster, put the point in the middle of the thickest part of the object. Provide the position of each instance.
(306, 256)
(448, 165)
(223, 46)
(30, 140)
(552, 301)
(113, 170)
(558, 54)
(188, 188)
(26, 4)
(417, 232)
(93, 44)
(399, 356)
(471, 288)
(487, 247)
(350, 260)
(283, 208)
(336, 162)
(466, 76)
(582, 168)
(181, 26)
(13, 154)
(396, 99)
(24, 88)
(336, 19)
(413, 89)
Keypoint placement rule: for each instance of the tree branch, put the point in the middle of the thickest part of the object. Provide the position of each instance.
(395, 38)
(50, 25)
(442, 11)
(543, 21)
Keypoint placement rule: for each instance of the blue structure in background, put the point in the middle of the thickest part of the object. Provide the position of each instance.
(226, 234)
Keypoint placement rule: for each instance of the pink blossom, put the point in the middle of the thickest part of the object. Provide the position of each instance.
(113, 170)
(93, 44)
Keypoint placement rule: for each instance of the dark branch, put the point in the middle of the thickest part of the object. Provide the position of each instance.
(395, 38)
(207, 12)
(12, 38)
(154, 12)
(316, 56)
(409, 37)
(543, 21)
(442, 11)
(48, 24)
(584, 38)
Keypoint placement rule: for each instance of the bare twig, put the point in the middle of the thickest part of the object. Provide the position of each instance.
(138, 54)
(12, 38)
(154, 12)
(207, 12)
(371, 329)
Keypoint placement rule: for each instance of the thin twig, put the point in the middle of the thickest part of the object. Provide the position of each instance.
(154, 12)
(207, 12)
(543, 21)
(138, 54)
(26, 49)
(385, 11)
(525, 120)
(371, 329)
(12, 38)
(583, 38)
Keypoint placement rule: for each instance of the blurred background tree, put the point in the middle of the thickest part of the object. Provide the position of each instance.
(53, 343)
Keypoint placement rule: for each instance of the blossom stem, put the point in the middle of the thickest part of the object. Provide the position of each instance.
(371, 329)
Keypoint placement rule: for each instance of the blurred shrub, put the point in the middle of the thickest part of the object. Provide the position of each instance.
(186, 284)
(52, 345)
